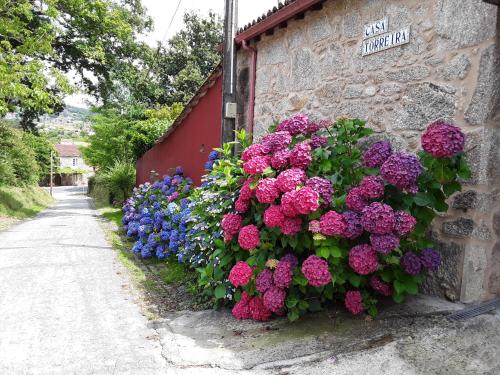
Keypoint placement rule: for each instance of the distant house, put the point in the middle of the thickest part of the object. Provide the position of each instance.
(72, 167)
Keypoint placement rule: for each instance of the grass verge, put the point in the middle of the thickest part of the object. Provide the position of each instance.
(23, 202)
(165, 286)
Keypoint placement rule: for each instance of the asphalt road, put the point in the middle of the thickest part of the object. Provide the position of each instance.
(64, 304)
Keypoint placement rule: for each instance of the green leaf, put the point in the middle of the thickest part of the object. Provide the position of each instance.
(291, 302)
(398, 298)
(293, 315)
(303, 305)
(336, 252)
(354, 279)
(300, 280)
(423, 199)
(372, 310)
(411, 288)
(220, 291)
(323, 252)
(399, 287)
(451, 187)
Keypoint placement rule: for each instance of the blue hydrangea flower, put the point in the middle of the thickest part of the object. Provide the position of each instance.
(213, 155)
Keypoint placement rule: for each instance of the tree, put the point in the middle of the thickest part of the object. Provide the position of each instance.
(43, 150)
(43, 40)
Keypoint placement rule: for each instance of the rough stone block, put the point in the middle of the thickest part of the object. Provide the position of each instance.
(422, 104)
(461, 228)
(296, 38)
(319, 29)
(351, 25)
(472, 199)
(328, 93)
(388, 89)
(408, 74)
(457, 68)
(464, 23)
(333, 61)
(482, 232)
(272, 52)
(485, 103)
(475, 266)
(446, 282)
(494, 279)
(482, 154)
(305, 70)
(496, 223)
(353, 91)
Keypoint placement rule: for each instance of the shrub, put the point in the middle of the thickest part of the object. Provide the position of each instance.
(321, 220)
(119, 179)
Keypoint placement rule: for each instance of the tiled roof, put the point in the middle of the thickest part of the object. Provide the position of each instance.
(67, 150)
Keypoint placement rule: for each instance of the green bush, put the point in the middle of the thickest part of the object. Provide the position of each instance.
(119, 179)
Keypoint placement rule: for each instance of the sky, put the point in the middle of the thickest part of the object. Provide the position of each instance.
(162, 12)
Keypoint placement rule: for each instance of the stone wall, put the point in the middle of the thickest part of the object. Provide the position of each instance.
(450, 70)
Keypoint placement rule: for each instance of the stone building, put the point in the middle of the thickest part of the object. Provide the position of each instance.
(306, 56)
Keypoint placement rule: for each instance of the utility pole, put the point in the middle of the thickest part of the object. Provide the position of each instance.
(229, 72)
(51, 170)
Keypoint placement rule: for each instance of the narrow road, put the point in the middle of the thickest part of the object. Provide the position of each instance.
(64, 308)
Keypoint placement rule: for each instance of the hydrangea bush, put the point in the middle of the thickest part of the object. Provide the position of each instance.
(317, 219)
(156, 216)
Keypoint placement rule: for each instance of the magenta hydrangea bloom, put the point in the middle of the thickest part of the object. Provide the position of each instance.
(264, 280)
(249, 237)
(323, 187)
(297, 124)
(242, 310)
(313, 127)
(314, 226)
(354, 302)
(257, 165)
(231, 223)
(372, 187)
(289, 179)
(402, 170)
(283, 274)
(174, 196)
(290, 258)
(241, 205)
(280, 159)
(276, 141)
(353, 228)
(273, 216)
(257, 309)
(378, 218)
(316, 271)
(300, 156)
(384, 243)
(267, 191)
(355, 200)
(332, 224)
(274, 299)
(246, 192)
(291, 226)
(430, 259)
(411, 263)
(443, 140)
(318, 141)
(363, 259)
(253, 151)
(380, 286)
(306, 201)
(240, 274)
(404, 223)
(377, 154)
(288, 204)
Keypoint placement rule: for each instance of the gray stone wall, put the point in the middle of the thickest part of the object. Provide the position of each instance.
(450, 70)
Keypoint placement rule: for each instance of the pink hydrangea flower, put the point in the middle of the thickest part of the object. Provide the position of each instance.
(280, 159)
(283, 274)
(443, 140)
(313, 127)
(300, 156)
(354, 302)
(316, 271)
(378, 218)
(242, 309)
(290, 258)
(332, 224)
(257, 309)
(355, 200)
(231, 223)
(380, 287)
(253, 151)
(249, 237)
(372, 187)
(273, 216)
(246, 192)
(256, 165)
(276, 141)
(274, 299)
(297, 124)
(291, 226)
(287, 204)
(314, 226)
(289, 179)
(264, 280)
(384, 243)
(405, 223)
(241, 205)
(363, 259)
(267, 191)
(240, 274)
(306, 201)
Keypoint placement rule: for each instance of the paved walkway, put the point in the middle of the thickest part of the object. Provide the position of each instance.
(63, 305)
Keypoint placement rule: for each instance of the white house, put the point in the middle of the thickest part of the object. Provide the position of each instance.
(70, 157)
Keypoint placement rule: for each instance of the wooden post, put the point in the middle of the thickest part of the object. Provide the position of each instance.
(229, 72)
(51, 170)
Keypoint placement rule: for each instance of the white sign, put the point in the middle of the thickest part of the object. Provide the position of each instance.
(385, 41)
(375, 28)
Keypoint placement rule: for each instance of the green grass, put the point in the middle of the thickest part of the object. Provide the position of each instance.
(23, 202)
(113, 214)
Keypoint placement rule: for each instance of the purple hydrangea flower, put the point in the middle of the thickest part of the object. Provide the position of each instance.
(402, 170)
(323, 187)
(377, 154)
(430, 259)
(297, 124)
(384, 243)
(378, 218)
(411, 263)
(353, 227)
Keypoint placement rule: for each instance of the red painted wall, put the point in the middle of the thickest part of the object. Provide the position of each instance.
(190, 143)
